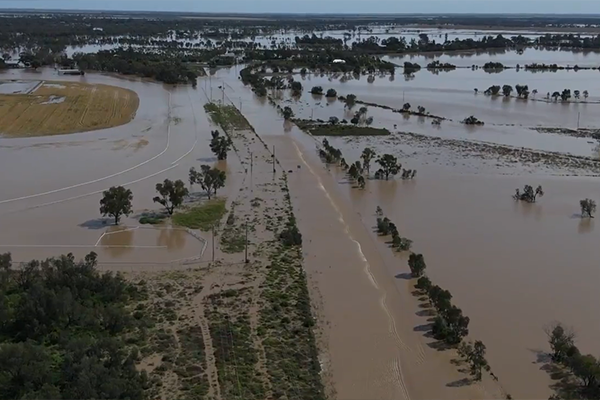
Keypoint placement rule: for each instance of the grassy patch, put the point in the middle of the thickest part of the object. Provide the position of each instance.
(152, 218)
(226, 116)
(323, 129)
(202, 217)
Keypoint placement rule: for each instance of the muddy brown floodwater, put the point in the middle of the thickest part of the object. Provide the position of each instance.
(513, 268)
(50, 200)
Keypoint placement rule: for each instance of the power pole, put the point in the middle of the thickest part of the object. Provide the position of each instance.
(273, 158)
(251, 170)
(213, 243)
(246, 251)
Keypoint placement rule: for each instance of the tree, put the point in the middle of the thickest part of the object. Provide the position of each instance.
(423, 283)
(353, 172)
(367, 155)
(555, 95)
(529, 195)
(318, 90)
(576, 94)
(417, 265)
(562, 342)
(115, 202)
(220, 145)
(534, 92)
(389, 165)
(565, 95)
(369, 121)
(474, 353)
(586, 94)
(171, 194)
(378, 211)
(331, 93)
(507, 90)
(210, 179)
(350, 100)
(361, 182)
(334, 120)
(288, 113)
(588, 207)
(383, 226)
(296, 88)
(586, 368)
(421, 109)
(406, 107)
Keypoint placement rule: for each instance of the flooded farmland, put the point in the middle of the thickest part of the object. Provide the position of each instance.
(507, 264)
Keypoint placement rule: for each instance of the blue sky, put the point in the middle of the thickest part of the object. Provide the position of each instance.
(322, 6)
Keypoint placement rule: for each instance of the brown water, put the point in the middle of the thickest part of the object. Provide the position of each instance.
(51, 201)
(512, 267)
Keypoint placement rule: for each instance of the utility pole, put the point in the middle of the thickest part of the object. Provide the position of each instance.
(273, 159)
(246, 252)
(251, 170)
(213, 243)
(223, 93)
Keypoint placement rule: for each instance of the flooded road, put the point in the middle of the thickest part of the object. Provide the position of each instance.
(51, 201)
(513, 268)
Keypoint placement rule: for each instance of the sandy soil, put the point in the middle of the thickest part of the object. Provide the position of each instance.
(61, 107)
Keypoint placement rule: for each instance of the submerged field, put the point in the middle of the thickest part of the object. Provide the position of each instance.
(66, 107)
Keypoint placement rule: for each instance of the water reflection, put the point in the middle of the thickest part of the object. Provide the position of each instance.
(117, 241)
(172, 239)
(586, 225)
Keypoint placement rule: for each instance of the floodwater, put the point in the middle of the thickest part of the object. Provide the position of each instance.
(508, 121)
(509, 58)
(513, 268)
(50, 200)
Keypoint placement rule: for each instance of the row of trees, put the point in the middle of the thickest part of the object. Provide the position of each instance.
(523, 92)
(449, 325)
(585, 368)
(386, 227)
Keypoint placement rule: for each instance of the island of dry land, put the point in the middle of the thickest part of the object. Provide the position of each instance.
(55, 108)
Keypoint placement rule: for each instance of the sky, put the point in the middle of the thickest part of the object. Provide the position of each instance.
(321, 6)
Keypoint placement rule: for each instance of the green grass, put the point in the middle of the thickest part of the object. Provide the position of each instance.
(321, 129)
(152, 218)
(226, 116)
(202, 217)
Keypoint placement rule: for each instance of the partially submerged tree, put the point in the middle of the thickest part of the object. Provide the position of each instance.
(507, 90)
(474, 354)
(588, 207)
(406, 107)
(417, 265)
(331, 93)
(296, 88)
(318, 90)
(220, 145)
(288, 113)
(389, 165)
(562, 342)
(361, 182)
(367, 155)
(350, 100)
(528, 194)
(116, 202)
(209, 179)
(171, 194)
(383, 226)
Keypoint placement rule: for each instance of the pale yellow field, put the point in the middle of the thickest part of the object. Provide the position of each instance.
(84, 107)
